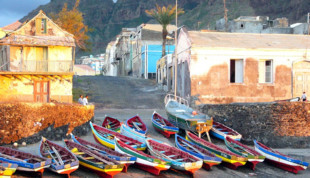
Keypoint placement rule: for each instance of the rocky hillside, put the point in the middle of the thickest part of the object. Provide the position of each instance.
(107, 18)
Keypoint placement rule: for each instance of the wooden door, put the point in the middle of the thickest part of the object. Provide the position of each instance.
(301, 72)
(42, 91)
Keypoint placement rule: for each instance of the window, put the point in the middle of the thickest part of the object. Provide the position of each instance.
(236, 71)
(265, 71)
(43, 26)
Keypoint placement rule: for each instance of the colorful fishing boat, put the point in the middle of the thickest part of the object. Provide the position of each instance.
(182, 116)
(137, 125)
(280, 160)
(163, 126)
(209, 159)
(95, 161)
(111, 123)
(25, 161)
(220, 131)
(129, 132)
(179, 159)
(121, 158)
(7, 169)
(106, 138)
(63, 161)
(144, 161)
(229, 159)
(240, 149)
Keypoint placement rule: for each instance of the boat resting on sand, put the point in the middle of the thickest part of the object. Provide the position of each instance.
(240, 149)
(179, 159)
(229, 159)
(163, 126)
(220, 131)
(182, 116)
(63, 161)
(209, 159)
(144, 161)
(121, 158)
(106, 137)
(95, 161)
(111, 123)
(137, 125)
(25, 161)
(280, 160)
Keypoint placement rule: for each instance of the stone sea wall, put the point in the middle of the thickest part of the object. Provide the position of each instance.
(279, 125)
(29, 121)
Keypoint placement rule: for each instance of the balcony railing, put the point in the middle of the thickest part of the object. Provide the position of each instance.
(42, 66)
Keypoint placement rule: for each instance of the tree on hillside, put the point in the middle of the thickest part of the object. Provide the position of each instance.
(73, 22)
(164, 15)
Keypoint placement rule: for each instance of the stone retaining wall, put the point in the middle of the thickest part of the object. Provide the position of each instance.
(279, 125)
(29, 121)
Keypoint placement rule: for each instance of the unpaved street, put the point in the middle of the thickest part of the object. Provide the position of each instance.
(112, 98)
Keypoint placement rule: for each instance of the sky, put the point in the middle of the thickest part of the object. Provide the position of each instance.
(12, 10)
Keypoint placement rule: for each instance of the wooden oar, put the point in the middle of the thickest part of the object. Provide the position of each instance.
(58, 156)
(98, 158)
(195, 149)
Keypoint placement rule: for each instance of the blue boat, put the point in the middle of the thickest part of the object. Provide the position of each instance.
(122, 158)
(280, 160)
(163, 126)
(25, 161)
(220, 131)
(209, 159)
(129, 132)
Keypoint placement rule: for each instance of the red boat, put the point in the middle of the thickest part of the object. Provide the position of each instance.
(111, 123)
(137, 125)
(163, 126)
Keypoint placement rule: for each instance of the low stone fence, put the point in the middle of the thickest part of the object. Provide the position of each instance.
(279, 125)
(29, 121)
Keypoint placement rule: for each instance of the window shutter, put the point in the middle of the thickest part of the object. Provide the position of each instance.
(261, 71)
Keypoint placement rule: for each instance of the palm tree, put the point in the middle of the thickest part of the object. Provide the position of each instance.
(164, 15)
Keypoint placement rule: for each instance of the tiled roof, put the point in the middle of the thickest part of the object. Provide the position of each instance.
(249, 40)
(12, 27)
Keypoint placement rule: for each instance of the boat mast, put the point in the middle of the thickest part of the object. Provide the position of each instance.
(175, 50)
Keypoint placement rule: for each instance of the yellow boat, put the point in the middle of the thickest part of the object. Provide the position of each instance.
(105, 137)
(7, 169)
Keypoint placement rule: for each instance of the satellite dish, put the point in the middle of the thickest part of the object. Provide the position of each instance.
(2, 33)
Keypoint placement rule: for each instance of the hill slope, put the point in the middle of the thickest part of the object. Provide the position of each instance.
(108, 18)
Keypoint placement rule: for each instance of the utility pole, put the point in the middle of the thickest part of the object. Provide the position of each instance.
(225, 15)
(176, 51)
(308, 22)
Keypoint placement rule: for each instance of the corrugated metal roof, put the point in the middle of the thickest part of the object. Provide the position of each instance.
(249, 40)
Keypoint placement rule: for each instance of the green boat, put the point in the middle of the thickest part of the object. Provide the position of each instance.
(182, 116)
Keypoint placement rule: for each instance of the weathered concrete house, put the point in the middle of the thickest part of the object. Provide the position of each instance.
(110, 62)
(36, 62)
(231, 67)
(146, 49)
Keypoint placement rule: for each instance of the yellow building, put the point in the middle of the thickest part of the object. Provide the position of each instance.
(36, 62)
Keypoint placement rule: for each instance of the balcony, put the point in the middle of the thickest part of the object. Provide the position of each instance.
(40, 66)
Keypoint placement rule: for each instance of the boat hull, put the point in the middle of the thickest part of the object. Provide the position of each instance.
(142, 162)
(102, 172)
(110, 143)
(228, 160)
(279, 162)
(8, 169)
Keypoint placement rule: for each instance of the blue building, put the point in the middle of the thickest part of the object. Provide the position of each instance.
(150, 54)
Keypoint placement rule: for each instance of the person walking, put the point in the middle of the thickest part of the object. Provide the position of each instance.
(81, 99)
(85, 100)
(304, 96)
